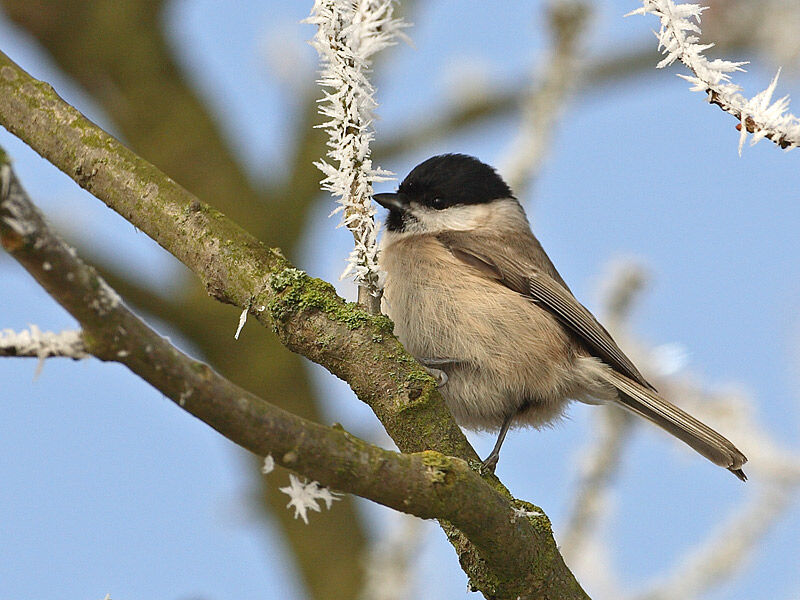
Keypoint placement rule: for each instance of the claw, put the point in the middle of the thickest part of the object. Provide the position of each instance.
(490, 462)
(439, 375)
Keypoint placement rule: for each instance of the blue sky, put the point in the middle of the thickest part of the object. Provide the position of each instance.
(109, 488)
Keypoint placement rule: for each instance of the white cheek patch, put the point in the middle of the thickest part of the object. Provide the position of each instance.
(455, 218)
(499, 214)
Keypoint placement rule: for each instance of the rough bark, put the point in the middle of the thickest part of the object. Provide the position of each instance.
(119, 53)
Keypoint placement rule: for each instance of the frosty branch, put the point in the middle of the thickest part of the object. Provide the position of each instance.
(348, 35)
(33, 342)
(679, 38)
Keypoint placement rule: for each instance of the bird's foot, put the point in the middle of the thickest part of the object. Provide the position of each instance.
(490, 462)
(439, 375)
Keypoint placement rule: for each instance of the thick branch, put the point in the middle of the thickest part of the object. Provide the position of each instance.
(235, 267)
(113, 333)
(123, 55)
(504, 555)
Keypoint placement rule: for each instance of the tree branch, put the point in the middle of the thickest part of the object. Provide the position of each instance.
(123, 55)
(601, 458)
(505, 554)
(112, 333)
(547, 96)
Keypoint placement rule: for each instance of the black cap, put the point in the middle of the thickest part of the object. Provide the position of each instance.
(452, 179)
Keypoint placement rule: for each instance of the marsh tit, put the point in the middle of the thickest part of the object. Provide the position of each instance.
(474, 298)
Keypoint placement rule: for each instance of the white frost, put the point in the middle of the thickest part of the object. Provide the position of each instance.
(304, 495)
(521, 513)
(42, 344)
(348, 35)
(242, 321)
(269, 464)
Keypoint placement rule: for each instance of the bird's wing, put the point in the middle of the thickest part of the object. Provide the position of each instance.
(546, 290)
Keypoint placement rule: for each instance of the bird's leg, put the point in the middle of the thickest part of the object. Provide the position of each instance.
(439, 375)
(490, 462)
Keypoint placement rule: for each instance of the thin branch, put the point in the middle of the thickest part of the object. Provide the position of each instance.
(505, 555)
(35, 343)
(601, 459)
(545, 100)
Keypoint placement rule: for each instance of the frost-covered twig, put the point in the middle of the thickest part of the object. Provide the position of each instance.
(36, 343)
(728, 547)
(348, 35)
(678, 39)
(600, 460)
(545, 100)
(388, 564)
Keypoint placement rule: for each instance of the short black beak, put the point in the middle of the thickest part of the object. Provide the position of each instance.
(391, 200)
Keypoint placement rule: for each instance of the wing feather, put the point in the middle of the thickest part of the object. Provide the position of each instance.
(538, 280)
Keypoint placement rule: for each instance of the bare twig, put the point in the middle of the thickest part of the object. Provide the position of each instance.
(547, 96)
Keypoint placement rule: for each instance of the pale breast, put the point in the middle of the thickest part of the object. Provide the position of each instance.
(443, 308)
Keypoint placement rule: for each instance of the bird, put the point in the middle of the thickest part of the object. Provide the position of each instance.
(477, 301)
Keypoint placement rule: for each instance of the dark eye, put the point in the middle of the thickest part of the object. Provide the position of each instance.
(437, 202)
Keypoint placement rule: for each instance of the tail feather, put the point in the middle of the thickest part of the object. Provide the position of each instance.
(648, 404)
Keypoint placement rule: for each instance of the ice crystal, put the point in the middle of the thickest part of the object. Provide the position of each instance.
(304, 495)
